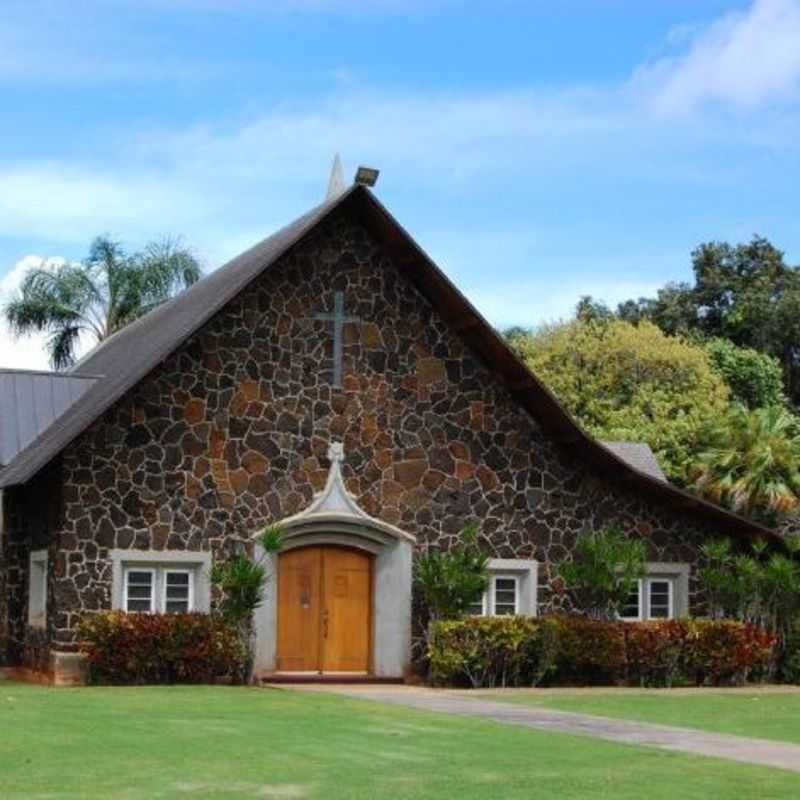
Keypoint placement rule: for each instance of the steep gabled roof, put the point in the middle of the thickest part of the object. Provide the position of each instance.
(127, 357)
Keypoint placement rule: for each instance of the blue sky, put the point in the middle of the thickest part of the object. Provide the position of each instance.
(537, 150)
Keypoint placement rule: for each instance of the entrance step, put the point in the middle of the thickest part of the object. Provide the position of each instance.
(330, 678)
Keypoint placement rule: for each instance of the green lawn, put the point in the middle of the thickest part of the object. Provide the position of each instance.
(744, 713)
(208, 742)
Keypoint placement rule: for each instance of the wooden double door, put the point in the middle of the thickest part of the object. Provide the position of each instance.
(324, 610)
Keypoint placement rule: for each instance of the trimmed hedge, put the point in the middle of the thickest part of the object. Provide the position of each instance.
(159, 648)
(493, 651)
(572, 650)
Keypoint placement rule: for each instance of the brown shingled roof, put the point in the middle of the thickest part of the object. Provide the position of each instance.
(128, 356)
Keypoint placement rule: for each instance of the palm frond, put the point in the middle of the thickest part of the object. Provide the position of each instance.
(61, 346)
(751, 463)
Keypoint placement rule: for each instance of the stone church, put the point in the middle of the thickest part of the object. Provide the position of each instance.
(331, 379)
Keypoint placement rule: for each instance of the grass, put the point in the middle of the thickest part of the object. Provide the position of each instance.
(218, 742)
(743, 712)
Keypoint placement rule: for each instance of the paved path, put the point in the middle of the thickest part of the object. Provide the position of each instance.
(704, 743)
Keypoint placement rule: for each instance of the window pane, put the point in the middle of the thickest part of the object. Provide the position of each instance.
(659, 599)
(177, 592)
(139, 591)
(505, 596)
(631, 608)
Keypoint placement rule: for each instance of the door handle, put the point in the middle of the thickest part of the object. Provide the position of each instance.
(325, 624)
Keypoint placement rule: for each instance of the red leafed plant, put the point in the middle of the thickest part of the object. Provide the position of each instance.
(160, 648)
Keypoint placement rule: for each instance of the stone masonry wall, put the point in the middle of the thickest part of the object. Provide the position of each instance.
(31, 515)
(231, 433)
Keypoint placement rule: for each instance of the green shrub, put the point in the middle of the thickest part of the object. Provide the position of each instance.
(449, 581)
(491, 651)
(562, 650)
(603, 571)
(160, 648)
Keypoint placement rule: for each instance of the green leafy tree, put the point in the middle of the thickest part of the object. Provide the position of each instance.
(603, 571)
(755, 379)
(590, 310)
(745, 293)
(449, 581)
(673, 309)
(631, 382)
(241, 581)
(752, 463)
(98, 297)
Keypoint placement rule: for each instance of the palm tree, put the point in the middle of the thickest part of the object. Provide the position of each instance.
(752, 463)
(98, 297)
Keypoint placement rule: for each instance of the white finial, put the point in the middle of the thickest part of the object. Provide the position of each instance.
(336, 452)
(336, 184)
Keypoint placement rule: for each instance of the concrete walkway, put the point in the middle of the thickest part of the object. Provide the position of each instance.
(717, 745)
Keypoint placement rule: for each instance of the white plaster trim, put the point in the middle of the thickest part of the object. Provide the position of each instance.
(334, 507)
(37, 611)
(679, 573)
(200, 562)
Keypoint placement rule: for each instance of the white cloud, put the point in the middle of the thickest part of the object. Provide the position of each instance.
(217, 184)
(226, 180)
(743, 60)
(224, 186)
(27, 352)
(67, 203)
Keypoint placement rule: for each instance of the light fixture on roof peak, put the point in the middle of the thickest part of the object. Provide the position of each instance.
(367, 176)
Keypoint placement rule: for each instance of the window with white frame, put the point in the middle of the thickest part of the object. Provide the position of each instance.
(505, 595)
(158, 589)
(511, 590)
(37, 589)
(651, 598)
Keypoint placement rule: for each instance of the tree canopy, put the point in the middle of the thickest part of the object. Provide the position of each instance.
(631, 382)
(755, 379)
(744, 293)
(99, 296)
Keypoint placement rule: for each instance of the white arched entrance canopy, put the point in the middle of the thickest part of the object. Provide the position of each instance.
(334, 518)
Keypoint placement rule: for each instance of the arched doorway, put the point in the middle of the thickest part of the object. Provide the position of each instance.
(337, 557)
(324, 610)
